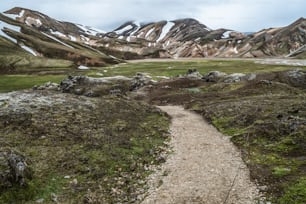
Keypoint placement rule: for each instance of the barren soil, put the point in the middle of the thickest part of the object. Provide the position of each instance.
(205, 167)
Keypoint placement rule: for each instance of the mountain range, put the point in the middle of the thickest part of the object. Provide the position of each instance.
(30, 34)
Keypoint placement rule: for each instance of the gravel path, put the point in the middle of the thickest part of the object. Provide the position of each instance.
(205, 166)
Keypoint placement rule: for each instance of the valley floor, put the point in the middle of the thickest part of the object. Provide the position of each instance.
(205, 166)
(271, 61)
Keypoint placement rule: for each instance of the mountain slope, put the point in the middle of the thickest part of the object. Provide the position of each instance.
(41, 35)
(33, 32)
(190, 38)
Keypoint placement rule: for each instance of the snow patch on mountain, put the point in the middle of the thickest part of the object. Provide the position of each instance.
(90, 30)
(33, 21)
(82, 67)
(11, 27)
(149, 32)
(72, 38)
(167, 27)
(57, 40)
(124, 29)
(29, 50)
(58, 33)
(137, 23)
(138, 26)
(15, 16)
(226, 34)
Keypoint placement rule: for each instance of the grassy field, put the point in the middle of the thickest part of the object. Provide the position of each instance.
(155, 69)
(81, 148)
(265, 120)
(17, 82)
(174, 68)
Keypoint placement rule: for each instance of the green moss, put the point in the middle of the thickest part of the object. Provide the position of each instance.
(284, 146)
(175, 68)
(224, 125)
(281, 171)
(194, 90)
(17, 82)
(35, 189)
(295, 193)
(105, 148)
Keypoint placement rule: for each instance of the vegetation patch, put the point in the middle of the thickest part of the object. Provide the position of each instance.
(265, 118)
(17, 82)
(81, 149)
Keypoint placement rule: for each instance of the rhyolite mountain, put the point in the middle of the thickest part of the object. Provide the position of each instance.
(32, 32)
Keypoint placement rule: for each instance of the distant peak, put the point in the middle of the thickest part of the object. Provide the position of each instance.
(15, 10)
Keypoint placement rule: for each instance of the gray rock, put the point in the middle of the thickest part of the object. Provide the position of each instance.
(297, 77)
(214, 76)
(140, 80)
(68, 84)
(13, 170)
(251, 77)
(54, 197)
(82, 85)
(47, 86)
(236, 77)
(193, 74)
(41, 200)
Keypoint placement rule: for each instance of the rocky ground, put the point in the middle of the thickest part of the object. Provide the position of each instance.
(263, 114)
(61, 147)
(205, 167)
(88, 140)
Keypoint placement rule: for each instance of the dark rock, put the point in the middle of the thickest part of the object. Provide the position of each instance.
(236, 77)
(140, 80)
(83, 85)
(193, 74)
(68, 84)
(214, 76)
(47, 86)
(13, 170)
(297, 78)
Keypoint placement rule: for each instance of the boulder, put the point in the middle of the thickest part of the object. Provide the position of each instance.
(140, 80)
(47, 86)
(193, 74)
(82, 85)
(214, 76)
(296, 77)
(13, 170)
(236, 77)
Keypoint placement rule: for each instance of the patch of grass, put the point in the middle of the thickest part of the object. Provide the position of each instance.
(266, 122)
(280, 171)
(105, 144)
(194, 90)
(16, 82)
(35, 189)
(295, 193)
(175, 68)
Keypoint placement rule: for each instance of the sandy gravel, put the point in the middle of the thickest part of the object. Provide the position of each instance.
(205, 166)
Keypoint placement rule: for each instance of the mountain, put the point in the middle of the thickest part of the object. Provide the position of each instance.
(32, 32)
(35, 34)
(190, 38)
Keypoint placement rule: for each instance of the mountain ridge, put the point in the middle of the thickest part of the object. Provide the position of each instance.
(41, 35)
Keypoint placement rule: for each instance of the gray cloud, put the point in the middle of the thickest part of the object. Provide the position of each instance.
(242, 15)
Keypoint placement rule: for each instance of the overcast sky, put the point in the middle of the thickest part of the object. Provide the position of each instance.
(240, 15)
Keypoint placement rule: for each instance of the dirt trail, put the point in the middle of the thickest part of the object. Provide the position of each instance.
(205, 166)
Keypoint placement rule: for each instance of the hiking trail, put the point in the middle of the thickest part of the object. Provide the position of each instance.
(204, 168)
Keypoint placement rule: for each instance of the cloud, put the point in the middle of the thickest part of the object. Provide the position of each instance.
(242, 15)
